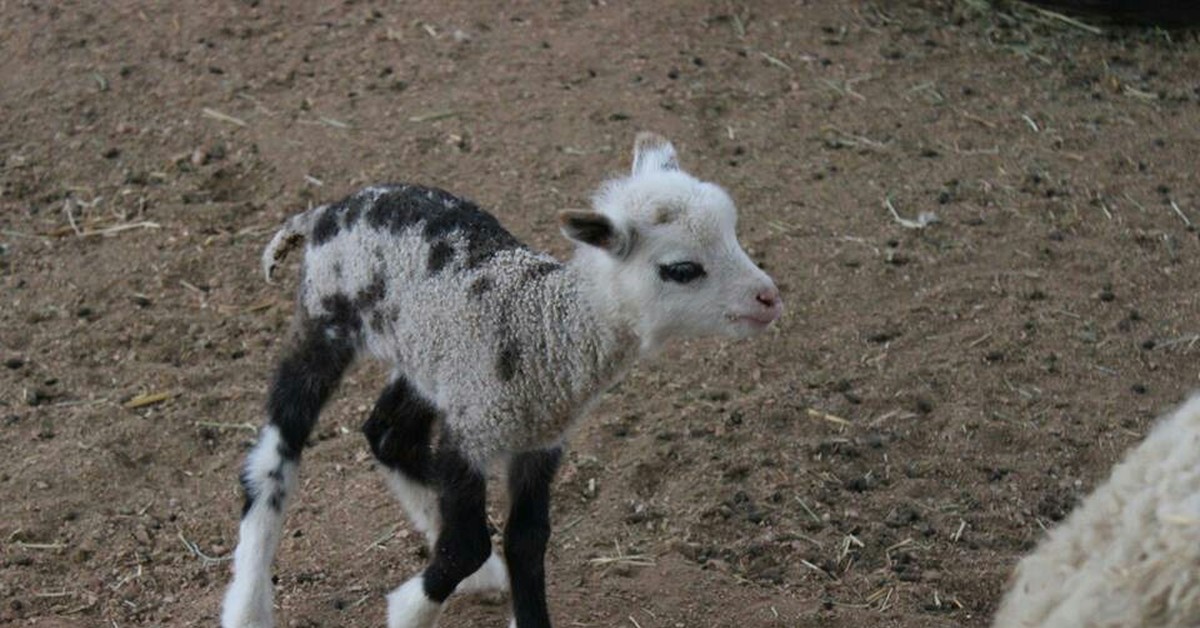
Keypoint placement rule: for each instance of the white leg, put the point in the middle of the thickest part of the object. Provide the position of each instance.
(492, 577)
(269, 477)
(409, 607)
(419, 501)
(421, 504)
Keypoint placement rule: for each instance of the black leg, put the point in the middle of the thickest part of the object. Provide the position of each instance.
(399, 430)
(305, 379)
(464, 544)
(527, 532)
(303, 382)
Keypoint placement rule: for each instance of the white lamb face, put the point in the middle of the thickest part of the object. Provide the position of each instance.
(664, 245)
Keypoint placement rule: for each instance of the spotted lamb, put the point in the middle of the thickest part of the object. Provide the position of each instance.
(1130, 553)
(495, 350)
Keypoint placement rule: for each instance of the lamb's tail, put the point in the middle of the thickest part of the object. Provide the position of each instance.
(289, 237)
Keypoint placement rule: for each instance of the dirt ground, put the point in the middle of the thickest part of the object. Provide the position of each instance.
(932, 401)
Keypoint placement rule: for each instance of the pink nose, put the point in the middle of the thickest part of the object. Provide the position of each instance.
(769, 298)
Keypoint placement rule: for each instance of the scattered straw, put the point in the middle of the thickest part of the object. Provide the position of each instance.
(147, 399)
(1187, 221)
(227, 426)
(337, 124)
(40, 546)
(846, 88)
(924, 219)
(1033, 125)
(437, 115)
(107, 231)
(1070, 21)
(17, 234)
(825, 416)
(223, 117)
(204, 558)
(69, 211)
(808, 510)
(621, 558)
(381, 539)
(817, 569)
(777, 62)
(1189, 340)
(54, 594)
(974, 118)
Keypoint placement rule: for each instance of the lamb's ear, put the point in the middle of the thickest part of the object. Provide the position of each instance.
(653, 152)
(595, 229)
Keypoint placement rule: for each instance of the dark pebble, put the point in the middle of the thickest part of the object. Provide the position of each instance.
(14, 363)
(881, 337)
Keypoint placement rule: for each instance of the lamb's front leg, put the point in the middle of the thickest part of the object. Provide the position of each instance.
(527, 532)
(463, 544)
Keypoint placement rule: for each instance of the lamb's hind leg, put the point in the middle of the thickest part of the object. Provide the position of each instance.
(303, 382)
(399, 431)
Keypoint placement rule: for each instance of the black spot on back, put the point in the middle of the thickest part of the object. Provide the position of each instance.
(352, 212)
(480, 286)
(341, 215)
(373, 293)
(508, 360)
(400, 208)
(440, 254)
(327, 226)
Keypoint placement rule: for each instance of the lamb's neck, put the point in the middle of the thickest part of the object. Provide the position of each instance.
(584, 326)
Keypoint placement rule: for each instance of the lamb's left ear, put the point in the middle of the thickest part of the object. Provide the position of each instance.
(595, 229)
(653, 152)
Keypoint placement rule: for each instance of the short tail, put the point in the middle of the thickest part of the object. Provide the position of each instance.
(294, 231)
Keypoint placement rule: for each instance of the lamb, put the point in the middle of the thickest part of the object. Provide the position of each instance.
(1130, 553)
(496, 351)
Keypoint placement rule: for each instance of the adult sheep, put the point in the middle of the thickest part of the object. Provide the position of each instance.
(1129, 556)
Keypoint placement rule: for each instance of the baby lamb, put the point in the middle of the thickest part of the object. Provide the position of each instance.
(1130, 553)
(495, 351)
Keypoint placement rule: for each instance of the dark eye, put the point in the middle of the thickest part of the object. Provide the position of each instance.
(681, 272)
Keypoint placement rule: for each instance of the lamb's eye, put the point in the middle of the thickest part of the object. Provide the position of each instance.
(681, 272)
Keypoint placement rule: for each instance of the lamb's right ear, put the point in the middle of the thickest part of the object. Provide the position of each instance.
(653, 152)
(594, 229)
